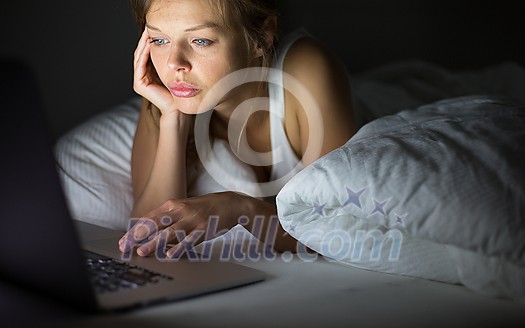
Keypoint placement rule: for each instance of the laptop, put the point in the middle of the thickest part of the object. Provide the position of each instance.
(45, 250)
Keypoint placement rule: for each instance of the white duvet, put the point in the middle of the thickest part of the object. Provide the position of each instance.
(437, 192)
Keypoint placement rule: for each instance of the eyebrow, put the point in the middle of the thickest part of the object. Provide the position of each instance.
(190, 29)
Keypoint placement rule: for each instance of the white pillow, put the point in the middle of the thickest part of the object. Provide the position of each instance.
(94, 166)
(429, 188)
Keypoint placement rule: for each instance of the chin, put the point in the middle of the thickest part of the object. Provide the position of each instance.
(193, 106)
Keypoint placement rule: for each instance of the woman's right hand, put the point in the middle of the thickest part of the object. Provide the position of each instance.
(146, 81)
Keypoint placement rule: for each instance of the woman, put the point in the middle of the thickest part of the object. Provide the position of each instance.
(187, 49)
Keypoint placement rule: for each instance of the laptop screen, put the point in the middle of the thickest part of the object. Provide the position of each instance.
(39, 247)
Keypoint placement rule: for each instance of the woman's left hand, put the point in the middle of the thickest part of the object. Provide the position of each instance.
(186, 222)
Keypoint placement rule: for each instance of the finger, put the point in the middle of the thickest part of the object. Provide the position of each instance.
(141, 60)
(140, 45)
(174, 232)
(141, 69)
(134, 222)
(159, 241)
(129, 243)
(188, 243)
(167, 222)
(144, 228)
(123, 240)
(148, 247)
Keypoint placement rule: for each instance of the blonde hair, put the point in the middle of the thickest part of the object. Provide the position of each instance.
(251, 16)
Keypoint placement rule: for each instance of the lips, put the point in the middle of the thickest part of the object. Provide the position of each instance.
(183, 89)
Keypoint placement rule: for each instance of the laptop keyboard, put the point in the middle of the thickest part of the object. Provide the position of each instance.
(110, 275)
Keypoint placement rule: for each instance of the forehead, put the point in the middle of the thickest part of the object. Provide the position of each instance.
(183, 11)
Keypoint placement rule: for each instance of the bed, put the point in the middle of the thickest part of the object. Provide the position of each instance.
(418, 219)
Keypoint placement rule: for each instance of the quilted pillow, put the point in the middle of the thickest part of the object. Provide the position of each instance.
(434, 193)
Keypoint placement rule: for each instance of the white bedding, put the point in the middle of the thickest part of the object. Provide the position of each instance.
(94, 165)
(438, 192)
(428, 248)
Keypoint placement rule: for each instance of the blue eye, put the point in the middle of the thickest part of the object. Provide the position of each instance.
(159, 42)
(202, 42)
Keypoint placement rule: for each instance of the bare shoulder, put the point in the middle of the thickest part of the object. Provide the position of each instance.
(309, 59)
(325, 77)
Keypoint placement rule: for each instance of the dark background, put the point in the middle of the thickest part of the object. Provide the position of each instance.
(81, 51)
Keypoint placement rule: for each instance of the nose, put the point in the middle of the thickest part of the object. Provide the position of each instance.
(178, 60)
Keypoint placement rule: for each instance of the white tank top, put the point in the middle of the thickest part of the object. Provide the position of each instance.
(285, 162)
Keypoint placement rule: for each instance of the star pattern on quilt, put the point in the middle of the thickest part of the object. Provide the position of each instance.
(318, 209)
(379, 207)
(354, 197)
(400, 219)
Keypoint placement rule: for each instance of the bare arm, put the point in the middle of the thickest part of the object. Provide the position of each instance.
(158, 164)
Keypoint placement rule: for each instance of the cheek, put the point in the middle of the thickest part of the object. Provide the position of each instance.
(157, 60)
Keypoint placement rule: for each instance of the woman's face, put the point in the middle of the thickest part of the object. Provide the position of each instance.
(191, 50)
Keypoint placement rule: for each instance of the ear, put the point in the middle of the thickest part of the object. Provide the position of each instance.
(269, 29)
